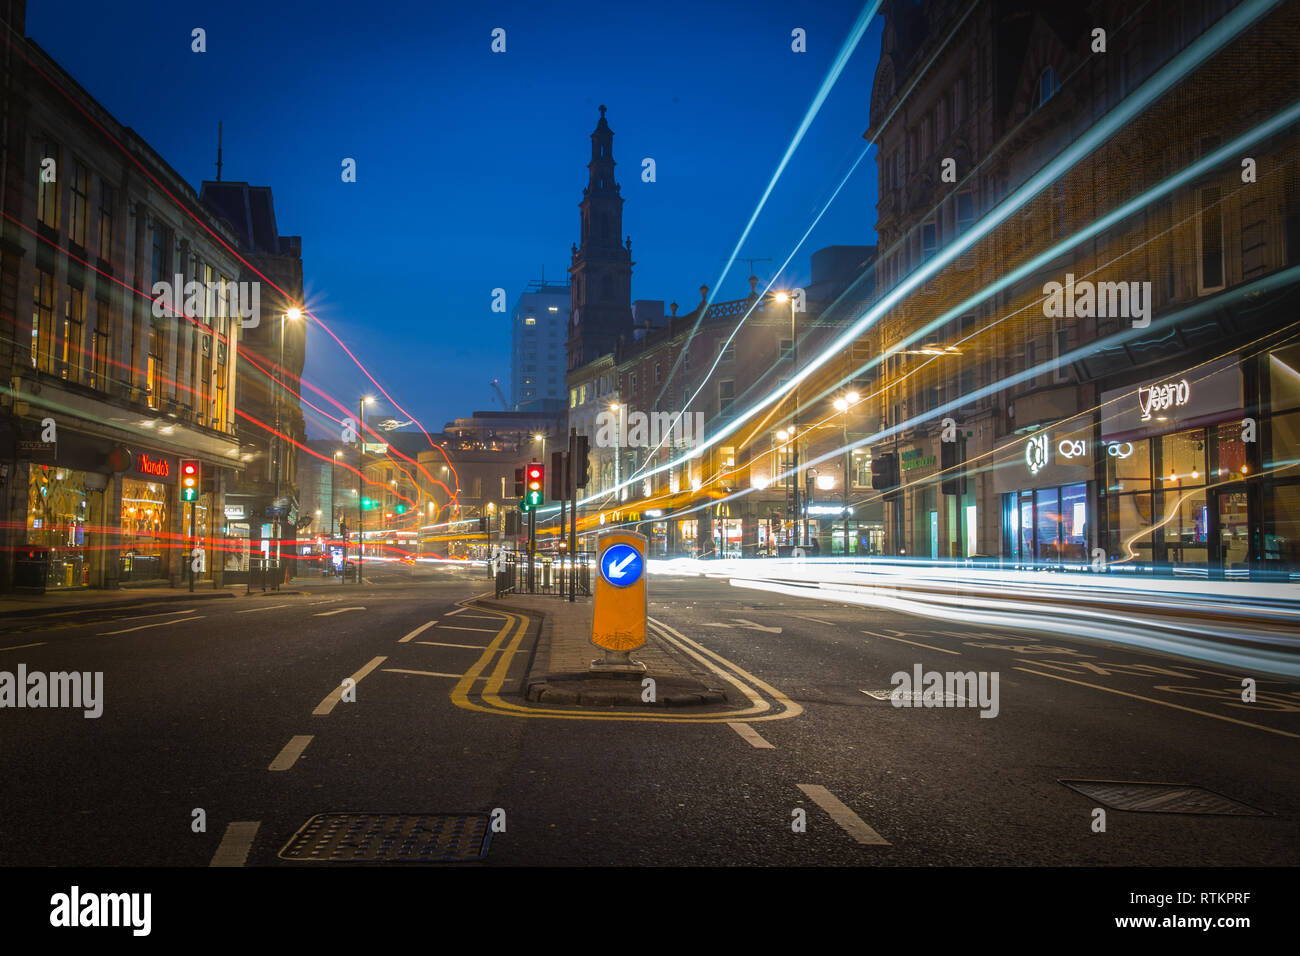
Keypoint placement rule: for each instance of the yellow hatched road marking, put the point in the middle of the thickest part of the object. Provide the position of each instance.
(493, 704)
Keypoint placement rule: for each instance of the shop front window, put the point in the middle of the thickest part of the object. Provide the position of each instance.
(144, 529)
(56, 519)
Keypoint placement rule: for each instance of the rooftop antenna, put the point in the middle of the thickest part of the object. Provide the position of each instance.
(218, 150)
(751, 262)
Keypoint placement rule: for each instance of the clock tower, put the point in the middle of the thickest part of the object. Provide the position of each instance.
(600, 272)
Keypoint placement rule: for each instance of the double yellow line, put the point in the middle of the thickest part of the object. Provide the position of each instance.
(516, 627)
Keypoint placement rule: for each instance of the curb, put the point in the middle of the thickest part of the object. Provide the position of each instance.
(601, 690)
(108, 605)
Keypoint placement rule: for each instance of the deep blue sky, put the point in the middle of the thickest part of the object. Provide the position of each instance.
(471, 164)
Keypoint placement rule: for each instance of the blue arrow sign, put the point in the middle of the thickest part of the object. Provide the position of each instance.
(621, 565)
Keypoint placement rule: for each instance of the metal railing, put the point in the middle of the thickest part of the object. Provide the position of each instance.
(264, 573)
(550, 572)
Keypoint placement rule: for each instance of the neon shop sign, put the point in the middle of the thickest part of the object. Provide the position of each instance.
(1159, 398)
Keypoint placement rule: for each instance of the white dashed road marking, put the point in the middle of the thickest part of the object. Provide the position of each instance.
(849, 822)
(141, 627)
(417, 632)
(334, 696)
(291, 752)
(235, 844)
(749, 734)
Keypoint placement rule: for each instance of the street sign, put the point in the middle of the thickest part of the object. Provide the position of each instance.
(621, 565)
(618, 618)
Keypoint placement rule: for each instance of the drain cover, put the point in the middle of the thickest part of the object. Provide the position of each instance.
(915, 696)
(1161, 798)
(391, 838)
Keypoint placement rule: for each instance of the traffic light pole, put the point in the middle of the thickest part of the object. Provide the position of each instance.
(571, 487)
(193, 543)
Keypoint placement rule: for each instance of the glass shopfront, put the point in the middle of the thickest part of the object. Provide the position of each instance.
(1046, 525)
(57, 512)
(145, 536)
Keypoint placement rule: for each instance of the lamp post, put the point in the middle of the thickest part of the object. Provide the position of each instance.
(361, 483)
(843, 405)
(784, 298)
(333, 514)
(618, 428)
(293, 314)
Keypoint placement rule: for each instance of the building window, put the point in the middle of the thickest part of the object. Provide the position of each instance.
(929, 239)
(106, 222)
(1058, 209)
(161, 253)
(573, 398)
(658, 373)
(47, 194)
(1210, 240)
(787, 348)
(1048, 84)
(726, 396)
(727, 352)
(965, 211)
(74, 319)
(529, 320)
(153, 373)
(80, 190)
(43, 322)
(100, 347)
(686, 360)
(1060, 346)
(633, 382)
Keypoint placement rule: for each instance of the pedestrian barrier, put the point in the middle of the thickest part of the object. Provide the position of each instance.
(547, 572)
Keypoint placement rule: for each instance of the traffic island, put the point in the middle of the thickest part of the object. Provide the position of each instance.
(560, 672)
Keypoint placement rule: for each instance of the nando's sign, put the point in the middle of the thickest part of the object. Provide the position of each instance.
(143, 464)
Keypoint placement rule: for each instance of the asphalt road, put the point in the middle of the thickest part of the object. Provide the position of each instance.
(202, 699)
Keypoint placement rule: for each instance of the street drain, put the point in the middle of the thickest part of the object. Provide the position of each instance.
(916, 696)
(1161, 798)
(390, 838)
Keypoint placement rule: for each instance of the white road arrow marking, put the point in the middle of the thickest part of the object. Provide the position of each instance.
(757, 627)
(338, 611)
(619, 569)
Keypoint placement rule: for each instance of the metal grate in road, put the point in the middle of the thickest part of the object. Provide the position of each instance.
(391, 838)
(1161, 798)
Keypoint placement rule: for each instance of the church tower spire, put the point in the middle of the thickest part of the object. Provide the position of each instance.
(600, 273)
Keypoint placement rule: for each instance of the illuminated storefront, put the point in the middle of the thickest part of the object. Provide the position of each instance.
(1175, 469)
(1044, 479)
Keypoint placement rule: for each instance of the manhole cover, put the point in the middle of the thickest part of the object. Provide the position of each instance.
(915, 696)
(391, 838)
(1161, 798)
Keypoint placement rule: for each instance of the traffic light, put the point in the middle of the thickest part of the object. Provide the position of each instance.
(191, 479)
(884, 472)
(536, 481)
(558, 491)
(519, 482)
(950, 460)
(400, 509)
(368, 504)
(482, 525)
(581, 448)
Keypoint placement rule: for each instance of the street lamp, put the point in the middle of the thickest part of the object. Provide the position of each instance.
(361, 475)
(618, 428)
(843, 405)
(333, 512)
(292, 315)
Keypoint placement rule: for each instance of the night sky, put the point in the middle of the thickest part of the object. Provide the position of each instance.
(470, 164)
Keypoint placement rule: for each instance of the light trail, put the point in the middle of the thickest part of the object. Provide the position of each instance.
(1155, 86)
